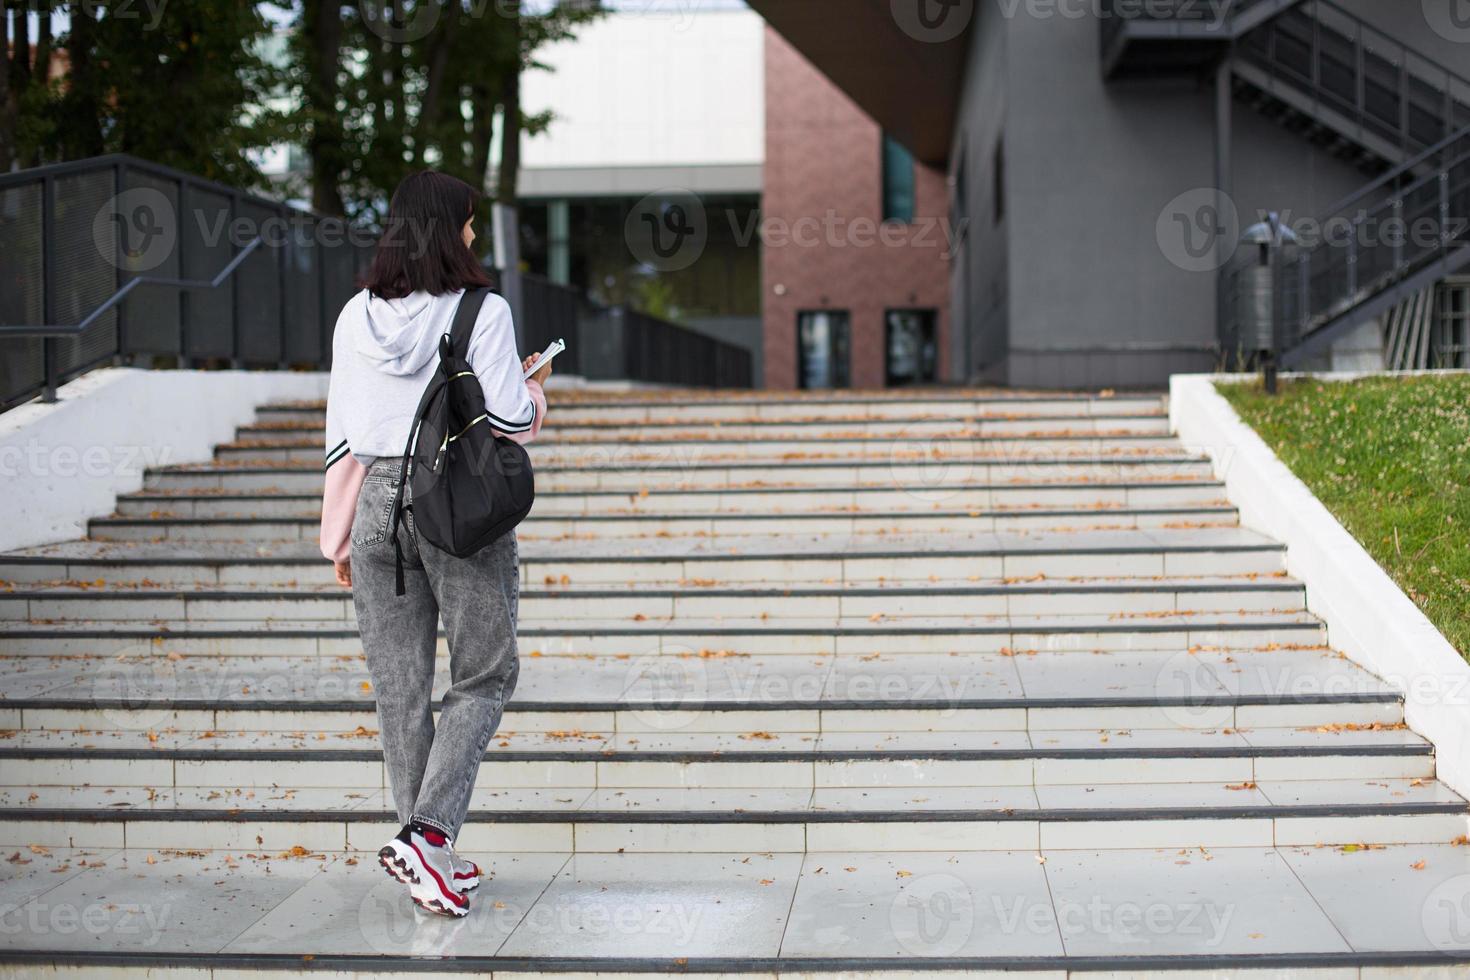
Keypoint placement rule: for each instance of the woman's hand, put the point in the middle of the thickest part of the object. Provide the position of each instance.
(344, 573)
(540, 376)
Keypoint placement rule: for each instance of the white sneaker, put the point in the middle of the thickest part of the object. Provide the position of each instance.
(422, 858)
(466, 872)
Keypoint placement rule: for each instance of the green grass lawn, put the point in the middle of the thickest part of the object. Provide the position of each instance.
(1390, 457)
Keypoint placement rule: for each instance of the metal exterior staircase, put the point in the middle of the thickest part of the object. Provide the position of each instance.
(1329, 74)
(878, 684)
(1366, 97)
(1315, 66)
(1393, 239)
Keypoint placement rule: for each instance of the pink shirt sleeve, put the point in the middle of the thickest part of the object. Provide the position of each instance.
(339, 504)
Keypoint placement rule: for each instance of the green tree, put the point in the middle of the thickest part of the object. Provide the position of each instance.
(387, 87)
(182, 84)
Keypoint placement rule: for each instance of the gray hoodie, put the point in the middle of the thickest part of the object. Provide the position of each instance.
(383, 354)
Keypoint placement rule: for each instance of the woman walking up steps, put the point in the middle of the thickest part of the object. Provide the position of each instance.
(384, 354)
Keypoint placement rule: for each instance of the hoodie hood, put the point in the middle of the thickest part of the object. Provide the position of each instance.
(400, 336)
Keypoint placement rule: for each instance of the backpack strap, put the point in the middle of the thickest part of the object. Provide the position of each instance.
(465, 317)
(458, 338)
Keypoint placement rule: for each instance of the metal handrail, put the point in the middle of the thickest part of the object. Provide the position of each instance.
(1367, 30)
(1368, 277)
(281, 292)
(67, 330)
(282, 296)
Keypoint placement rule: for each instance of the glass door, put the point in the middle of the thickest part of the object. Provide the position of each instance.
(823, 342)
(912, 354)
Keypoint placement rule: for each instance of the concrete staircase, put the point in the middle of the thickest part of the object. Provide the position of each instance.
(883, 683)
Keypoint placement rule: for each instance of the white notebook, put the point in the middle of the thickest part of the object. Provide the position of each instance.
(557, 346)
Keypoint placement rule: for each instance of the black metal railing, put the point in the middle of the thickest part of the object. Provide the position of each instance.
(550, 311)
(660, 352)
(1396, 235)
(115, 259)
(1388, 92)
(618, 343)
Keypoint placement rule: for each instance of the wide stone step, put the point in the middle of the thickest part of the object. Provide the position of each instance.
(684, 635)
(770, 819)
(887, 452)
(924, 478)
(559, 432)
(307, 528)
(760, 407)
(721, 691)
(795, 559)
(1037, 596)
(813, 500)
(179, 758)
(1288, 910)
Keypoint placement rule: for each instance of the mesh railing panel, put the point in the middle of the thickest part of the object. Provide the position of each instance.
(85, 250)
(303, 296)
(22, 370)
(150, 315)
(259, 282)
(204, 249)
(83, 218)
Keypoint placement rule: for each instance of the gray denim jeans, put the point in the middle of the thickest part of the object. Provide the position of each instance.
(431, 771)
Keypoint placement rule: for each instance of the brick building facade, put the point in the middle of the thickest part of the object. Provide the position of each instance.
(829, 178)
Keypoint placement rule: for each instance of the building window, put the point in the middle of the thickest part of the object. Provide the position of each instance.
(898, 181)
(1000, 180)
(823, 344)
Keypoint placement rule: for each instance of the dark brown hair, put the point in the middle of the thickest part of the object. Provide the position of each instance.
(422, 245)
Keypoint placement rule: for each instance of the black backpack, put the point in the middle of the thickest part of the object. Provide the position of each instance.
(470, 486)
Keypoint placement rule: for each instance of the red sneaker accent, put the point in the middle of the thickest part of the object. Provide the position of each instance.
(449, 893)
(434, 837)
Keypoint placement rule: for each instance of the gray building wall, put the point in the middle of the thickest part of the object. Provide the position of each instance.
(979, 271)
(1093, 294)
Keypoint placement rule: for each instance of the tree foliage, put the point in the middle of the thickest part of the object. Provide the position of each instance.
(182, 84)
(370, 90)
